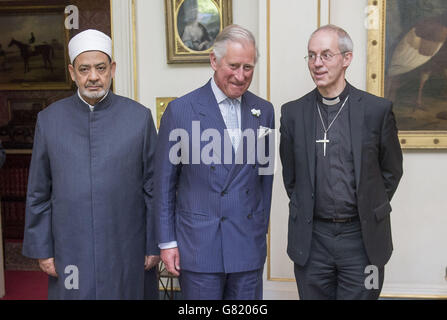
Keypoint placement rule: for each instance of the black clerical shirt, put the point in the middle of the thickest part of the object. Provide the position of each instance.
(335, 177)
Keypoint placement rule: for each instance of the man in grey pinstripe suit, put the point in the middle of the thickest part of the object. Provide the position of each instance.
(213, 212)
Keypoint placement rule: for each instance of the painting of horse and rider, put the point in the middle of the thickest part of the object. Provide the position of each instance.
(33, 49)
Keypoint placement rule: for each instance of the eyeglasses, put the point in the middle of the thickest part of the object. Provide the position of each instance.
(325, 57)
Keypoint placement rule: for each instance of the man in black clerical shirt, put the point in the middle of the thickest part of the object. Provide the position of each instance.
(342, 163)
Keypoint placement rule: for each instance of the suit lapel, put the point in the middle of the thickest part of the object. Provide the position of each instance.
(208, 109)
(309, 125)
(210, 117)
(356, 114)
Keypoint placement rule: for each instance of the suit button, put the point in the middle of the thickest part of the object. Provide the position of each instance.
(312, 195)
(250, 216)
(223, 219)
(223, 193)
(246, 191)
(309, 220)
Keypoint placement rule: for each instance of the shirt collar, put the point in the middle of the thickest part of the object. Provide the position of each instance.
(220, 96)
(341, 97)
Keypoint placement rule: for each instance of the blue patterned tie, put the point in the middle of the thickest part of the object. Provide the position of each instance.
(233, 123)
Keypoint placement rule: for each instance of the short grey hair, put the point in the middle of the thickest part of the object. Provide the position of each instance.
(233, 33)
(345, 43)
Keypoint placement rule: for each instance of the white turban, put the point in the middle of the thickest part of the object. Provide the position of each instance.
(89, 40)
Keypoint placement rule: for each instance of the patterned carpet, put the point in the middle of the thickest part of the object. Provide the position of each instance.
(14, 260)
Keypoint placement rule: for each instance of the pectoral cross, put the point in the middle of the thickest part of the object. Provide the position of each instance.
(324, 141)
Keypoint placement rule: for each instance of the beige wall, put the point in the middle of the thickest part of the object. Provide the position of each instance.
(158, 79)
(419, 207)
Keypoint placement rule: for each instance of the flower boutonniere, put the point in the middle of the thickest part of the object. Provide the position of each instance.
(256, 112)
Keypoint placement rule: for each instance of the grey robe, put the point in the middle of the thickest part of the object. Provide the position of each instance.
(89, 200)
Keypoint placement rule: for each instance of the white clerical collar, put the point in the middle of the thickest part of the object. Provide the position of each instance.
(220, 96)
(89, 105)
(331, 102)
(336, 100)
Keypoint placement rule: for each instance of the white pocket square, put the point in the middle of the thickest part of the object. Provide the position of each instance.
(263, 131)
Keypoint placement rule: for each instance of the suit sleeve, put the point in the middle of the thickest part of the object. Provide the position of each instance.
(38, 238)
(390, 154)
(150, 141)
(166, 176)
(286, 153)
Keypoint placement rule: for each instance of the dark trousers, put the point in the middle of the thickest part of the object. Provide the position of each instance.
(221, 286)
(338, 267)
(151, 290)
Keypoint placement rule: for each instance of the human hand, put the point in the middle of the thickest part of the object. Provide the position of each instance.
(48, 266)
(171, 259)
(150, 262)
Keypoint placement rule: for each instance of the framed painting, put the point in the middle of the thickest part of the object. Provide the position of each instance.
(33, 48)
(17, 131)
(407, 63)
(192, 26)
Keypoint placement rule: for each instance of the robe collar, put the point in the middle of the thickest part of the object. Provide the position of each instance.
(101, 105)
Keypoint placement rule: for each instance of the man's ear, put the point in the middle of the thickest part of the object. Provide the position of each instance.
(347, 59)
(72, 72)
(113, 66)
(213, 61)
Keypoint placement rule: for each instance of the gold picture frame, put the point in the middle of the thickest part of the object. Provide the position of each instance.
(161, 104)
(377, 76)
(192, 26)
(33, 51)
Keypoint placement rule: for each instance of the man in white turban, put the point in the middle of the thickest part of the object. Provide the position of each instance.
(89, 216)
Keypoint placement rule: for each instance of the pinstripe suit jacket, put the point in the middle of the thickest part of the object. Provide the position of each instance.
(217, 212)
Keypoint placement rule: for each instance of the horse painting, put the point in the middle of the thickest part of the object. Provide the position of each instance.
(26, 52)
